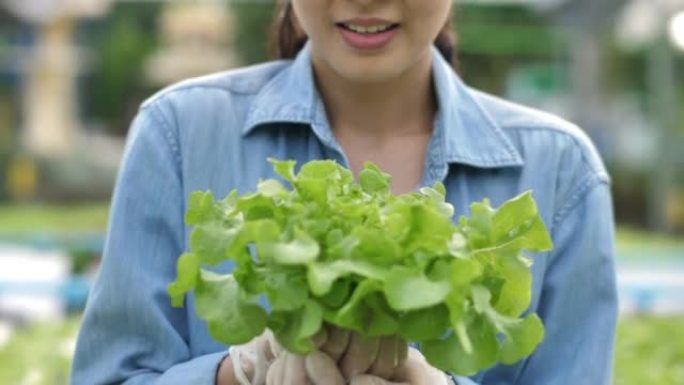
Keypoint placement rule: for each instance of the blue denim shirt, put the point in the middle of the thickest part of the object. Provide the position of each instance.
(215, 133)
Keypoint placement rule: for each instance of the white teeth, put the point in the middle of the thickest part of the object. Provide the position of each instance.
(370, 29)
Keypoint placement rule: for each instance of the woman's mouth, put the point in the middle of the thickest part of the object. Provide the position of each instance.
(367, 36)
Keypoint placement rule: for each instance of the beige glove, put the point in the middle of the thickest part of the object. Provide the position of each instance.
(252, 360)
(263, 361)
(354, 355)
(414, 371)
(317, 368)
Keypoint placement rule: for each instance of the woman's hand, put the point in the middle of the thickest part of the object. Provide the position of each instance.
(414, 371)
(343, 355)
(320, 369)
(316, 368)
(355, 355)
(249, 363)
(253, 363)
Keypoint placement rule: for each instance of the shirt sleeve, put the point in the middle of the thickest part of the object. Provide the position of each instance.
(578, 302)
(130, 334)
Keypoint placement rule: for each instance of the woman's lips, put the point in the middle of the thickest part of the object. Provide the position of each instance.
(367, 41)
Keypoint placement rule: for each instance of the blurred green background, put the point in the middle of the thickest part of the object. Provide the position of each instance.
(72, 78)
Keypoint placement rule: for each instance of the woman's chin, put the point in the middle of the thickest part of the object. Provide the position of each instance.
(364, 73)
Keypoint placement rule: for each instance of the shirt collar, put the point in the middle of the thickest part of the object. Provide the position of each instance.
(464, 133)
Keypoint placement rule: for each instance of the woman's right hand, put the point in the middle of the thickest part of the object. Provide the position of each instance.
(263, 361)
(341, 352)
(316, 368)
(249, 361)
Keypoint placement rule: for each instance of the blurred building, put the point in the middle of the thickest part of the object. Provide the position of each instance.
(656, 28)
(47, 138)
(196, 40)
(49, 65)
(48, 69)
(616, 72)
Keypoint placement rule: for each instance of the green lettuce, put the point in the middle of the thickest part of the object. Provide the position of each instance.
(324, 248)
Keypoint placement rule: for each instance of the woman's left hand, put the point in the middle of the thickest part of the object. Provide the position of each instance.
(356, 355)
(414, 371)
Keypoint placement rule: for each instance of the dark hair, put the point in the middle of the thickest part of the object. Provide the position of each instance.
(287, 38)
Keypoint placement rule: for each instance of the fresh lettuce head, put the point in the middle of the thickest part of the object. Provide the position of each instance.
(324, 248)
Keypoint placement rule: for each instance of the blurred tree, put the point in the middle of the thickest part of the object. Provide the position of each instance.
(495, 40)
(510, 30)
(251, 34)
(120, 47)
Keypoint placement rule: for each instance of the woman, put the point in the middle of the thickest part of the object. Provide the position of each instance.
(370, 80)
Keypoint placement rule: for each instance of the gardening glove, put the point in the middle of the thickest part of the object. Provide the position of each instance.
(316, 368)
(415, 370)
(356, 355)
(252, 360)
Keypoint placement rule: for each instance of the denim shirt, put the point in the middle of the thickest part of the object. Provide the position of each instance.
(215, 133)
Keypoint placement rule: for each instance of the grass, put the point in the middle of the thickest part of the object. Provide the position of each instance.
(649, 351)
(39, 355)
(32, 218)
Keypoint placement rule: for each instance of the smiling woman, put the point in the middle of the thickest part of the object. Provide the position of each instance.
(355, 81)
(372, 57)
(288, 38)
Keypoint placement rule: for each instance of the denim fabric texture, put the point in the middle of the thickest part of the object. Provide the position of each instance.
(215, 133)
